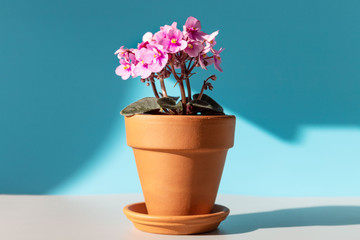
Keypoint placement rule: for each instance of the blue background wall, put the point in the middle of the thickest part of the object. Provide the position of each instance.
(291, 76)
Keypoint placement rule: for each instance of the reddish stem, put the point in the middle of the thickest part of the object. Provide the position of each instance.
(188, 88)
(181, 85)
(152, 81)
(203, 88)
(162, 84)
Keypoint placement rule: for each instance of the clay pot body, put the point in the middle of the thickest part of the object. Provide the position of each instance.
(180, 160)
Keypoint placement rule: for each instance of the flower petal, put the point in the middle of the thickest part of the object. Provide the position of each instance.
(183, 44)
(147, 37)
(192, 22)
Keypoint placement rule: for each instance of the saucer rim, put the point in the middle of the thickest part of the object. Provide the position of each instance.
(221, 214)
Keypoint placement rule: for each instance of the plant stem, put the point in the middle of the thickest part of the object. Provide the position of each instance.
(152, 81)
(188, 72)
(162, 84)
(203, 88)
(188, 67)
(188, 87)
(181, 85)
(201, 92)
(183, 97)
(174, 73)
(182, 65)
(192, 67)
(184, 75)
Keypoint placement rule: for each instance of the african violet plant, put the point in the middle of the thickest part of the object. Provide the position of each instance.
(172, 52)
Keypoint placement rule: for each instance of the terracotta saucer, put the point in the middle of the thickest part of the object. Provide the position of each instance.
(175, 225)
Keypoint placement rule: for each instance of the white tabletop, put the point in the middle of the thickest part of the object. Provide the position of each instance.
(101, 217)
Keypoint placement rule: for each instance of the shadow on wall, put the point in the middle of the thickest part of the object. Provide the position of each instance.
(292, 66)
(297, 217)
(59, 96)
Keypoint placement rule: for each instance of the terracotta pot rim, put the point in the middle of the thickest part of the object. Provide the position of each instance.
(146, 131)
(195, 117)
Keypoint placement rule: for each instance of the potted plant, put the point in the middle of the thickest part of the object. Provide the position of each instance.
(179, 143)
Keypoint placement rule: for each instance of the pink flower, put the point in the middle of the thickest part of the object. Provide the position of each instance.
(170, 38)
(144, 57)
(126, 54)
(192, 29)
(217, 59)
(148, 37)
(210, 40)
(205, 60)
(193, 48)
(156, 50)
(130, 56)
(120, 52)
(142, 70)
(142, 45)
(125, 70)
(160, 58)
(167, 27)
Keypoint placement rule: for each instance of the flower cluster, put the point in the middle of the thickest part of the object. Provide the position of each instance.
(168, 52)
(169, 46)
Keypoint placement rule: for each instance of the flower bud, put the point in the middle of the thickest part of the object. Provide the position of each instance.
(167, 74)
(213, 77)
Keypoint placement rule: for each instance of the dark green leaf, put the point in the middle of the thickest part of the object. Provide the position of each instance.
(141, 106)
(175, 98)
(169, 103)
(215, 106)
(200, 104)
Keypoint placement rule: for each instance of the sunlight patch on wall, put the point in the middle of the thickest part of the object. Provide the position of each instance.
(323, 162)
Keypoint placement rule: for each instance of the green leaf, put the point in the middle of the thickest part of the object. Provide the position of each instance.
(169, 103)
(200, 104)
(141, 106)
(215, 106)
(175, 98)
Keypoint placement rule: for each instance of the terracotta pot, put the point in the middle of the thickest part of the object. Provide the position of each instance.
(180, 160)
